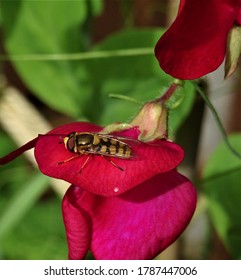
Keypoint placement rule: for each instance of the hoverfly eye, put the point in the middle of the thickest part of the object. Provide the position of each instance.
(71, 142)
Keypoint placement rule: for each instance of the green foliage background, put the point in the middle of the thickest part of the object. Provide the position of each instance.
(50, 47)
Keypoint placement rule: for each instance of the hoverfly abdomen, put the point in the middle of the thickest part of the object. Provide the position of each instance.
(114, 147)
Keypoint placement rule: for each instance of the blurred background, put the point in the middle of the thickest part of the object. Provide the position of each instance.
(63, 61)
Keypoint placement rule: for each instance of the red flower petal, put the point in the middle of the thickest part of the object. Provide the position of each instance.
(195, 44)
(77, 225)
(140, 223)
(99, 176)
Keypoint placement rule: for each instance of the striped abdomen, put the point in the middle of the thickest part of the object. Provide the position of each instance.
(107, 146)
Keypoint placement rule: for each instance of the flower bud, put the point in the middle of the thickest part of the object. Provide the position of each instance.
(233, 51)
(152, 121)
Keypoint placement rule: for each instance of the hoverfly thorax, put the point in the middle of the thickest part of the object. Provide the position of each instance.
(80, 142)
(84, 141)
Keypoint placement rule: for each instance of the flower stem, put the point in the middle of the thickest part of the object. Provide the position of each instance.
(79, 56)
(217, 120)
(124, 97)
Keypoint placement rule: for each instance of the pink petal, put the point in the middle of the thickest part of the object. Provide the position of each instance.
(99, 176)
(77, 224)
(142, 222)
(195, 44)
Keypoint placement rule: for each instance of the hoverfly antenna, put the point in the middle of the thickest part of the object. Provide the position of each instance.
(61, 139)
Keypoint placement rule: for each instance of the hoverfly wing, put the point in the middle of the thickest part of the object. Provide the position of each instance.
(118, 146)
(122, 139)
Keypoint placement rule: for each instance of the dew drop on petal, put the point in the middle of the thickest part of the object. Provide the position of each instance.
(116, 189)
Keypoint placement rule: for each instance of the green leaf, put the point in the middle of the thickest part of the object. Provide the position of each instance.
(48, 27)
(222, 177)
(17, 167)
(22, 202)
(97, 7)
(40, 235)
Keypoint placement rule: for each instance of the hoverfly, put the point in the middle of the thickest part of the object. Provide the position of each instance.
(86, 143)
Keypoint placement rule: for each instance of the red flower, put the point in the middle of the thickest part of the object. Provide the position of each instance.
(196, 42)
(131, 212)
(138, 224)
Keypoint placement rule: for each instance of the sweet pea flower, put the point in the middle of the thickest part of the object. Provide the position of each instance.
(133, 213)
(197, 41)
(119, 208)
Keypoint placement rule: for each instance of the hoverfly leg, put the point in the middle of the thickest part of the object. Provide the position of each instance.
(84, 164)
(112, 162)
(120, 168)
(68, 159)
